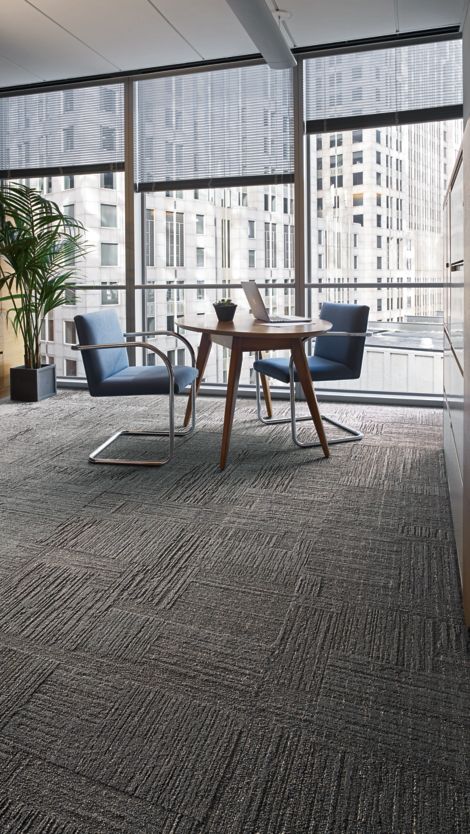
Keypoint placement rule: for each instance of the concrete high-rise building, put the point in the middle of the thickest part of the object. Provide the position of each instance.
(375, 218)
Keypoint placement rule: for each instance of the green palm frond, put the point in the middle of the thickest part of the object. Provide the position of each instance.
(39, 248)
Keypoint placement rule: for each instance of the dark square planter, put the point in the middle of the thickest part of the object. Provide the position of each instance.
(225, 312)
(29, 385)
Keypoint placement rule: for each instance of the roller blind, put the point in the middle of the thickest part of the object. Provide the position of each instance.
(417, 82)
(62, 130)
(216, 127)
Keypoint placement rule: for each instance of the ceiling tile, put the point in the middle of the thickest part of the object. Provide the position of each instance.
(338, 20)
(28, 39)
(429, 14)
(130, 33)
(210, 25)
(12, 74)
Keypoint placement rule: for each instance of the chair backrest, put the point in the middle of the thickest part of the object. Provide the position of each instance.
(103, 328)
(348, 350)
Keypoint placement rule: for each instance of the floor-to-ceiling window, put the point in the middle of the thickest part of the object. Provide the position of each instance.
(213, 168)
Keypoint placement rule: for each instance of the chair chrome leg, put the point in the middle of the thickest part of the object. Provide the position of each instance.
(171, 434)
(293, 419)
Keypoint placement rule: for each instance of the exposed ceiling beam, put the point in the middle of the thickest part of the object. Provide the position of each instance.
(259, 23)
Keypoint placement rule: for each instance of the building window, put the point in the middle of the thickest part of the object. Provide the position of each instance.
(174, 238)
(357, 158)
(109, 295)
(107, 100)
(199, 256)
(379, 220)
(67, 101)
(378, 157)
(379, 262)
(273, 246)
(286, 246)
(70, 296)
(69, 182)
(354, 261)
(200, 292)
(70, 333)
(267, 245)
(199, 224)
(225, 243)
(67, 138)
(378, 178)
(108, 138)
(108, 216)
(379, 242)
(379, 305)
(251, 229)
(357, 136)
(358, 178)
(319, 206)
(358, 199)
(378, 137)
(70, 367)
(266, 202)
(50, 330)
(251, 258)
(149, 238)
(109, 254)
(170, 239)
(358, 218)
(107, 180)
(69, 210)
(179, 238)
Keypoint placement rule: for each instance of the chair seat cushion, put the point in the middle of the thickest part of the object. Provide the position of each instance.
(320, 369)
(152, 379)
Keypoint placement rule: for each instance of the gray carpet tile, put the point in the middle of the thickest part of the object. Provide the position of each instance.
(273, 649)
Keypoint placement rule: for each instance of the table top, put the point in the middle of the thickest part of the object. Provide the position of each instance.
(245, 325)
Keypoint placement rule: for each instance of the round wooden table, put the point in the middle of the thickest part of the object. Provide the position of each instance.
(243, 334)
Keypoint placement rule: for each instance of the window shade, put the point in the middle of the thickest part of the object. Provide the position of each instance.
(62, 131)
(216, 127)
(418, 82)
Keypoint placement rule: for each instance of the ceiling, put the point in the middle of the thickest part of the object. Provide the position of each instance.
(47, 40)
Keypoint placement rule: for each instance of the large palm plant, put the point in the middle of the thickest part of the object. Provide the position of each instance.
(39, 247)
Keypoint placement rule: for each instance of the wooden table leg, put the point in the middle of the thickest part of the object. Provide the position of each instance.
(303, 371)
(266, 392)
(232, 388)
(201, 361)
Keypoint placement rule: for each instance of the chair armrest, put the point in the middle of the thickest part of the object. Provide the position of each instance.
(167, 333)
(144, 345)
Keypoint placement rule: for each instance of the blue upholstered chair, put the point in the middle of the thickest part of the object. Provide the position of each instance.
(337, 355)
(108, 373)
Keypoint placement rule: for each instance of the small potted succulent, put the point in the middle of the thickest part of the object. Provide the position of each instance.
(225, 309)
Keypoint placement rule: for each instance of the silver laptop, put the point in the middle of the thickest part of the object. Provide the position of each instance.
(258, 307)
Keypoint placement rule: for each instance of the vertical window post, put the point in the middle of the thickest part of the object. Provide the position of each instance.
(299, 189)
(129, 212)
